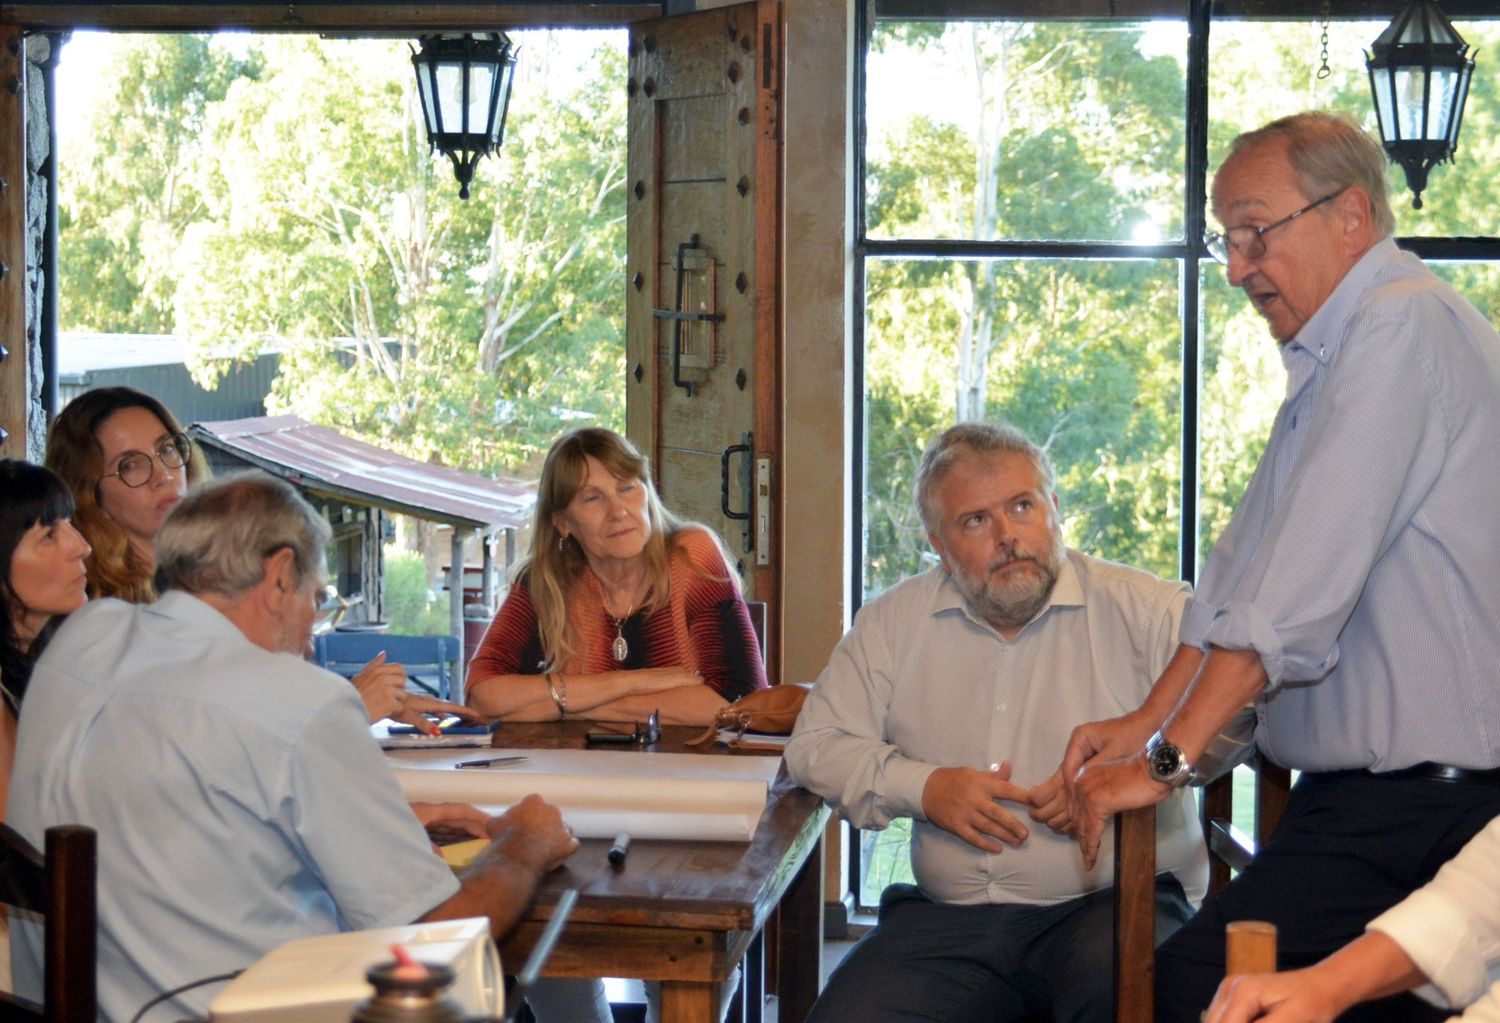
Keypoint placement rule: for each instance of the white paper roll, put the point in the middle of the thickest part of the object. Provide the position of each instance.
(602, 793)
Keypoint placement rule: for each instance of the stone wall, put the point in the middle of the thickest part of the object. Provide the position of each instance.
(38, 151)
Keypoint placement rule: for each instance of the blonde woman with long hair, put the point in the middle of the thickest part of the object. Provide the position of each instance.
(621, 608)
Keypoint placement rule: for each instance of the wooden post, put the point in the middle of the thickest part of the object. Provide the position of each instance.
(1250, 947)
(15, 387)
(1135, 915)
(487, 583)
(456, 593)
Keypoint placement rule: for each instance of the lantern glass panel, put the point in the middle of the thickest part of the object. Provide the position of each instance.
(481, 85)
(450, 97)
(424, 90)
(1440, 102)
(1381, 79)
(1412, 114)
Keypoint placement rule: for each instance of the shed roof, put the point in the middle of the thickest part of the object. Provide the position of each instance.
(325, 462)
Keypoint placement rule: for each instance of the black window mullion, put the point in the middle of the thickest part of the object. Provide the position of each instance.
(1200, 13)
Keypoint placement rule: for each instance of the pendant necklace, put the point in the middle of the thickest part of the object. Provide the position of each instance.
(620, 648)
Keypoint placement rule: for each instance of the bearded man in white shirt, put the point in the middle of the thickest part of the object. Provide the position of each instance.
(949, 702)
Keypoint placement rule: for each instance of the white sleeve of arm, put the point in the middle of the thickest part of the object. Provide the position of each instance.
(1451, 926)
(1486, 1010)
(839, 749)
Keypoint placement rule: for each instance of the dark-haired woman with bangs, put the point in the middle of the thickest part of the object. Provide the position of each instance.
(44, 578)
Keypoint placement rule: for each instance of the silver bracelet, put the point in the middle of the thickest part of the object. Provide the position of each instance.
(558, 699)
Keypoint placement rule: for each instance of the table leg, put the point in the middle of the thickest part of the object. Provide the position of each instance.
(799, 950)
(687, 1001)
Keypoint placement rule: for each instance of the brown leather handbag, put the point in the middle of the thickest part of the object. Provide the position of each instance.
(772, 711)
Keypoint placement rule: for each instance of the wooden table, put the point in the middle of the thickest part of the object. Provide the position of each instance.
(685, 913)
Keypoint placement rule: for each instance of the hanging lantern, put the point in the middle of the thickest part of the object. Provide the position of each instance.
(464, 82)
(1419, 74)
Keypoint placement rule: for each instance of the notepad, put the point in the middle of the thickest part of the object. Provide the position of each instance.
(417, 741)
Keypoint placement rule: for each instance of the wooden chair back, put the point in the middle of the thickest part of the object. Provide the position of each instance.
(758, 623)
(1135, 876)
(60, 885)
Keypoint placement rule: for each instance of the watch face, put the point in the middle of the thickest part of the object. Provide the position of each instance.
(1165, 761)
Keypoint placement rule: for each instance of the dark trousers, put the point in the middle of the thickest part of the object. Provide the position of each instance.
(1349, 846)
(995, 964)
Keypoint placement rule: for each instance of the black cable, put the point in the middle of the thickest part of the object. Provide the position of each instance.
(179, 990)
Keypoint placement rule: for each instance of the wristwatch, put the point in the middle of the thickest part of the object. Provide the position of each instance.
(1166, 763)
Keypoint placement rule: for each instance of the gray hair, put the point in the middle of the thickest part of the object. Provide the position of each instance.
(945, 450)
(216, 541)
(1329, 152)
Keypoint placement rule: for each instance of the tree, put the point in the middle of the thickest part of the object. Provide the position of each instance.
(130, 193)
(1078, 354)
(467, 333)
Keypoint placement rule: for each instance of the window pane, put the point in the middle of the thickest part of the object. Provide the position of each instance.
(1068, 130)
(1241, 387)
(1083, 356)
(1477, 282)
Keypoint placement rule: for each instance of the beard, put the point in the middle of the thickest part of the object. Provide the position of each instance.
(1015, 601)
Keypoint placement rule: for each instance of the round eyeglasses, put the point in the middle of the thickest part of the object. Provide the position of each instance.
(1250, 242)
(135, 468)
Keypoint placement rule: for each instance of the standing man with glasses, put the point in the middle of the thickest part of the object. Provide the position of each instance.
(1354, 597)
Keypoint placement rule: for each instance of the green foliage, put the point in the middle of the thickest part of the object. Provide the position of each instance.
(464, 333)
(130, 194)
(411, 608)
(1081, 355)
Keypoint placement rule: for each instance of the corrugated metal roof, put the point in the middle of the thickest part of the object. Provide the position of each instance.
(326, 462)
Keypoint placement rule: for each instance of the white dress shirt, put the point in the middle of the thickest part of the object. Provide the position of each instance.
(921, 682)
(1450, 928)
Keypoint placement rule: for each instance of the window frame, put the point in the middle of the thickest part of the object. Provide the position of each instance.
(1190, 253)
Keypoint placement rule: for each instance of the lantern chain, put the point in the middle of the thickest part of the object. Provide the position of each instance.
(1324, 71)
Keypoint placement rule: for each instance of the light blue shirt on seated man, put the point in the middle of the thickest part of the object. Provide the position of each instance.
(238, 797)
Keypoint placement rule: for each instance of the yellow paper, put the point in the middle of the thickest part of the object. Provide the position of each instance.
(460, 854)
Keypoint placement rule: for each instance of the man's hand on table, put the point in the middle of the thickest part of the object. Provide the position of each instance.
(532, 832)
(964, 801)
(452, 821)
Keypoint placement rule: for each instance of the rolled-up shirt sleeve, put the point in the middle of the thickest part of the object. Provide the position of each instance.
(1451, 927)
(1373, 450)
(840, 750)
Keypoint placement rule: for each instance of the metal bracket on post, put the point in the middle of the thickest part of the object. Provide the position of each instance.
(678, 316)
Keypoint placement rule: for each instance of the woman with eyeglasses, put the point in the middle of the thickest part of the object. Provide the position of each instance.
(128, 464)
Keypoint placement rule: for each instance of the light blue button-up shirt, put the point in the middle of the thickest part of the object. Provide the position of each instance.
(1363, 562)
(239, 799)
